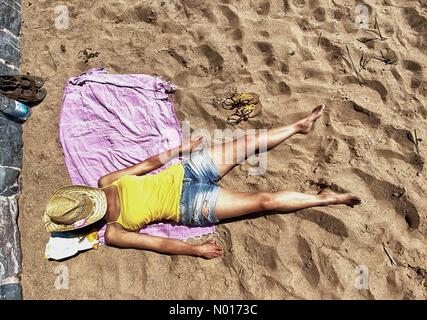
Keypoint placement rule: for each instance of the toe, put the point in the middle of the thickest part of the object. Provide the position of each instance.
(319, 109)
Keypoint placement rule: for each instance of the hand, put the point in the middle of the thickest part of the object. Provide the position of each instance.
(192, 145)
(209, 250)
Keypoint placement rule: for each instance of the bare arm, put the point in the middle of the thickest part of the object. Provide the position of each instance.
(149, 164)
(118, 237)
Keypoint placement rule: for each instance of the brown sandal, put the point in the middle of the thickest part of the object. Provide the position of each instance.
(30, 96)
(24, 81)
(239, 100)
(243, 114)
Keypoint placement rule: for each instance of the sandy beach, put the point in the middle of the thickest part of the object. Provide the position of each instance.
(295, 54)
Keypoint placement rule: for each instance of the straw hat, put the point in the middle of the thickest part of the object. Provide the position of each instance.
(74, 207)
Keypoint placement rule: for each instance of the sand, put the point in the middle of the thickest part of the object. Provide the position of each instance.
(293, 53)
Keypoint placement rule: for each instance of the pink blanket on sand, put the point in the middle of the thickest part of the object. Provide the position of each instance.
(109, 122)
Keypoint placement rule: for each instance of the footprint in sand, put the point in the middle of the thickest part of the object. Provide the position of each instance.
(386, 191)
(261, 254)
(327, 269)
(320, 14)
(406, 142)
(267, 51)
(286, 7)
(233, 21)
(378, 87)
(417, 22)
(325, 221)
(371, 84)
(334, 53)
(274, 87)
(309, 268)
(284, 67)
(46, 60)
(284, 88)
(327, 150)
(179, 58)
(263, 8)
(227, 243)
(145, 14)
(215, 60)
(265, 34)
(351, 110)
(412, 66)
(242, 56)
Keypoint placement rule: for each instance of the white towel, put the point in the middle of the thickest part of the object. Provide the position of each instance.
(63, 245)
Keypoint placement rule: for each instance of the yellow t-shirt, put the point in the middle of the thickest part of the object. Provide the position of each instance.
(149, 198)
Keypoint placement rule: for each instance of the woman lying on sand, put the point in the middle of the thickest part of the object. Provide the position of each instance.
(186, 192)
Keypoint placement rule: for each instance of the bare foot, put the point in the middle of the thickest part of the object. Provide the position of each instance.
(304, 125)
(348, 199)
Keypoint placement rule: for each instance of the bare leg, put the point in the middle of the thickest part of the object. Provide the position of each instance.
(232, 204)
(246, 146)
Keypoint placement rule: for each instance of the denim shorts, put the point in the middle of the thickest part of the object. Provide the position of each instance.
(200, 190)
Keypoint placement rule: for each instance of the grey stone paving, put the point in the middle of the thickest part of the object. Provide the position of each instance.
(10, 158)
